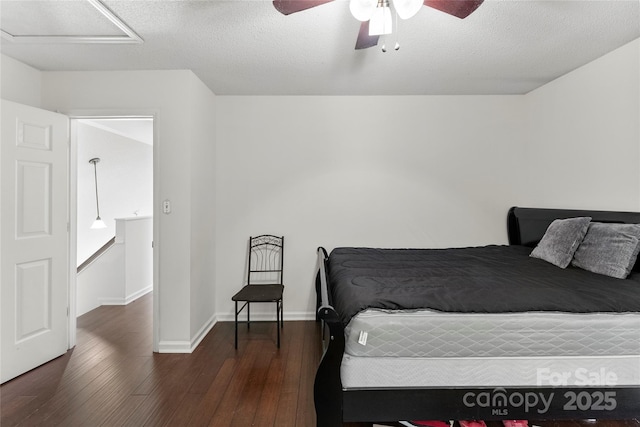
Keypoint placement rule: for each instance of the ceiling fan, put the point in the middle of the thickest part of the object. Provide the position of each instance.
(376, 14)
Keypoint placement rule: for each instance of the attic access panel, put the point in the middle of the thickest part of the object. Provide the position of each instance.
(86, 21)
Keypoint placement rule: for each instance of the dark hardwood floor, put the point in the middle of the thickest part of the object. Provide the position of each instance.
(112, 378)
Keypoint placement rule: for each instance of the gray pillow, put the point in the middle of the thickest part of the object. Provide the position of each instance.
(609, 249)
(560, 241)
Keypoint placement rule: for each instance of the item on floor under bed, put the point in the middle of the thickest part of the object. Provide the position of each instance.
(429, 423)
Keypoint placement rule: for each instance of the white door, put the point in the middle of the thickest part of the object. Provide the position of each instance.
(34, 265)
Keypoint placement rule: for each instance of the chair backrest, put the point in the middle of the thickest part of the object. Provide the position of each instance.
(266, 260)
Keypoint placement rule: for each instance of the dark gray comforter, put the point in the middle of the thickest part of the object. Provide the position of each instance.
(490, 279)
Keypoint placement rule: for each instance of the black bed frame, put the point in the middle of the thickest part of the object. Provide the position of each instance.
(335, 405)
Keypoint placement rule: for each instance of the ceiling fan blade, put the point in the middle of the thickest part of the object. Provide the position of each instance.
(287, 7)
(364, 39)
(459, 8)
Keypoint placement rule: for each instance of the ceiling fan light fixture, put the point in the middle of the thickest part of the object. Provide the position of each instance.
(362, 9)
(375, 15)
(380, 22)
(407, 8)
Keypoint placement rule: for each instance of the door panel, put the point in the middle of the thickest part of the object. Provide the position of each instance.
(33, 216)
(34, 247)
(33, 299)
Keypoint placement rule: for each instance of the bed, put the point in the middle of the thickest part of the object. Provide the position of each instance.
(533, 342)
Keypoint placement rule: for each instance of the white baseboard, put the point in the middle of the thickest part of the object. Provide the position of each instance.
(204, 330)
(112, 301)
(126, 300)
(267, 317)
(187, 346)
(174, 347)
(134, 296)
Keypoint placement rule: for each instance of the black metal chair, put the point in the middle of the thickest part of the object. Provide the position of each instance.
(264, 278)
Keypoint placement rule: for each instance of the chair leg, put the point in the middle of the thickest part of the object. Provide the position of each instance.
(236, 324)
(248, 315)
(278, 316)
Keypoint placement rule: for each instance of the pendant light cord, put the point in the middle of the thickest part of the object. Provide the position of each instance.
(95, 175)
(397, 45)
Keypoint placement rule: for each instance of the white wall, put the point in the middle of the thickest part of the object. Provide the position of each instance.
(121, 274)
(583, 136)
(203, 209)
(20, 82)
(125, 184)
(374, 171)
(174, 98)
(136, 234)
(418, 171)
(102, 281)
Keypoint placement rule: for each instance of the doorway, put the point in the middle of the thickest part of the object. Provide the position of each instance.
(112, 166)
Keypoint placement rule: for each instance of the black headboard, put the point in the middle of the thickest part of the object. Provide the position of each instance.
(526, 226)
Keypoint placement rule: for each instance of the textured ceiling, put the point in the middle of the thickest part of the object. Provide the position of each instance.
(248, 48)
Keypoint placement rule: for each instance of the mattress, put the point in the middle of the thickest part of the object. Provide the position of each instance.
(426, 348)
(406, 372)
(427, 333)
